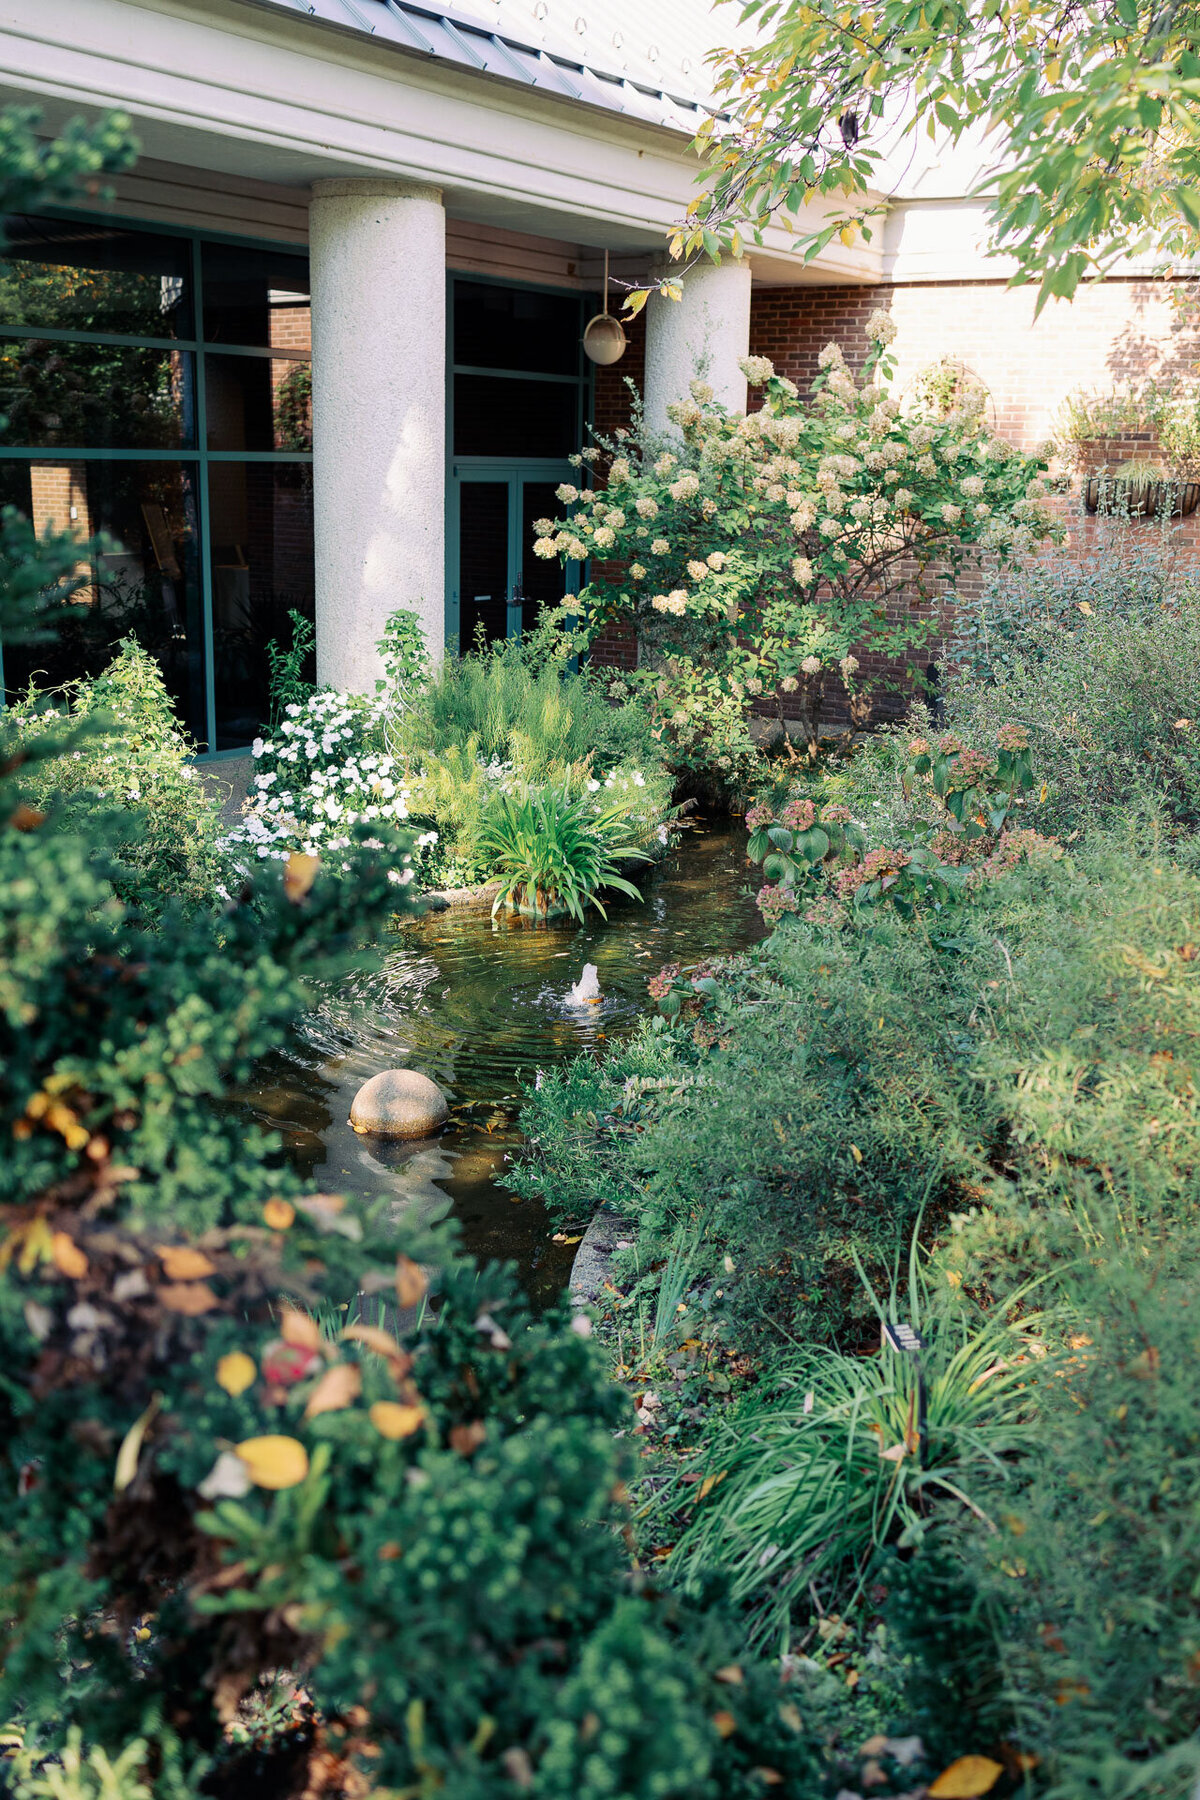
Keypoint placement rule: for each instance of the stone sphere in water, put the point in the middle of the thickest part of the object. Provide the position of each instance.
(399, 1103)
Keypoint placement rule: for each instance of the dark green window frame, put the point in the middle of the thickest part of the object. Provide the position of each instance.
(201, 458)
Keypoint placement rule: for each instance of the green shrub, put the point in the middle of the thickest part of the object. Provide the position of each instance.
(165, 827)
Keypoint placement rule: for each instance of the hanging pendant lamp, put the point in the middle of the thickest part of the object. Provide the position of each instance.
(604, 337)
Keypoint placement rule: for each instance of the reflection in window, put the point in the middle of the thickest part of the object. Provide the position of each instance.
(95, 396)
(257, 403)
(516, 328)
(257, 297)
(88, 276)
(261, 546)
(148, 589)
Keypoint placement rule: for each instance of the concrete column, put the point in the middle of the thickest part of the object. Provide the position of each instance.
(702, 335)
(378, 251)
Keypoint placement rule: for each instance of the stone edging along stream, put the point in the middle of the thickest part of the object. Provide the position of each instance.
(445, 899)
(593, 1259)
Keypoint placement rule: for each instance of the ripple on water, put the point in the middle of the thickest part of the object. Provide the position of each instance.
(480, 1006)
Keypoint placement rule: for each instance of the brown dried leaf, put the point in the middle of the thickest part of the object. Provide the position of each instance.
(300, 1330)
(67, 1257)
(380, 1341)
(338, 1387)
(412, 1283)
(190, 1297)
(466, 1438)
(182, 1263)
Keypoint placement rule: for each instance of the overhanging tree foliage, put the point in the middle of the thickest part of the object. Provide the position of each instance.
(1086, 116)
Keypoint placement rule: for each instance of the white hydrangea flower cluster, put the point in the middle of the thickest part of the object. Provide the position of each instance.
(325, 771)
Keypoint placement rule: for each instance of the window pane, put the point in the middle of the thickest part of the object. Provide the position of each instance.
(256, 297)
(91, 276)
(95, 396)
(495, 417)
(482, 561)
(262, 568)
(258, 403)
(152, 586)
(512, 328)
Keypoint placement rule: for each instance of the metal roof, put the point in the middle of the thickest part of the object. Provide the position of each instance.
(575, 49)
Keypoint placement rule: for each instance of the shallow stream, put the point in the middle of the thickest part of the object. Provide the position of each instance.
(480, 1005)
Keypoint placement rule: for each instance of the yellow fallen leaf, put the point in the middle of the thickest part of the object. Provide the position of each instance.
(967, 1777)
(189, 1297)
(299, 873)
(1084, 607)
(273, 1461)
(338, 1387)
(412, 1283)
(67, 1257)
(895, 1454)
(731, 1674)
(131, 1447)
(279, 1214)
(182, 1263)
(235, 1372)
(725, 1723)
(299, 1329)
(856, 1153)
(391, 1420)
(710, 1482)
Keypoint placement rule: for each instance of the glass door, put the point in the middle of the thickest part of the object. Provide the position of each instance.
(496, 586)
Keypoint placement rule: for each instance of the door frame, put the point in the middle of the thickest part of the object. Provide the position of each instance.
(513, 472)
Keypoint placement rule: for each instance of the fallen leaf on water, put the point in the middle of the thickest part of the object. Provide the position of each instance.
(391, 1420)
(966, 1779)
(561, 1237)
(131, 1447)
(235, 1372)
(338, 1387)
(189, 1297)
(67, 1257)
(273, 1462)
(299, 873)
(182, 1263)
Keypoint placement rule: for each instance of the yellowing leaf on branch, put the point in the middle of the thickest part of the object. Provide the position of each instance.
(338, 1388)
(273, 1462)
(966, 1778)
(235, 1372)
(391, 1420)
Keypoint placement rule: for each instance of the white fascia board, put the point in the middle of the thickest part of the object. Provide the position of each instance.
(278, 97)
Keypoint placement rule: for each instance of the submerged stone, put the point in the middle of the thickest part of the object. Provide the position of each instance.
(399, 1103)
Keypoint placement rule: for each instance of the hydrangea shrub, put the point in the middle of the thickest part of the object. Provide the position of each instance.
(760, 556)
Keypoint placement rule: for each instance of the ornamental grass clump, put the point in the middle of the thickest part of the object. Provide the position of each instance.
(760, 556)
(555, 853)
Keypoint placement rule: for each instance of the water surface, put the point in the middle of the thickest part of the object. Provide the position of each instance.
(480, 1005)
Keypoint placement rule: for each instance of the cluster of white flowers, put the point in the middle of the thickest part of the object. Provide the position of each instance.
(881, 327)
(675, 602)
(757, 369)
(323, 773)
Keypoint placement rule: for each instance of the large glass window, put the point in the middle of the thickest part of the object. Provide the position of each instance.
(157, 387)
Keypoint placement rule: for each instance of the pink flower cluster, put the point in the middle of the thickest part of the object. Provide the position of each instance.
(972, 767)
(950, 744)
(798, 815)
(875, 866)
(660, 985)
(919, 747)
(835, 814)
(774, 901)
(827, 912)
(758, 816)
(1019, 846)
(1013, 737)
